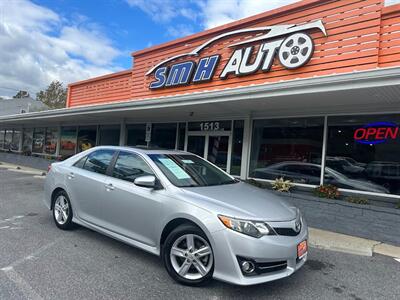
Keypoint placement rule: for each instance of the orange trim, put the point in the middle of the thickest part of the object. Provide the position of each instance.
(390, 9)
(107, 76)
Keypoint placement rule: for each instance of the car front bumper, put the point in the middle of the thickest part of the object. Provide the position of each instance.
(266, 252)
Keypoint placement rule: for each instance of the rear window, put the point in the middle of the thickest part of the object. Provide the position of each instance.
(99, 161)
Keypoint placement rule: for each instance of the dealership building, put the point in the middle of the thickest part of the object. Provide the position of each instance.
(309, 91)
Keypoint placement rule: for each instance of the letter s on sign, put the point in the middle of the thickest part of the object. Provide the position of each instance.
(161, 77)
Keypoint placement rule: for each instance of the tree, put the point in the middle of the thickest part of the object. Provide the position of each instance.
(55, 96)
(21, 94)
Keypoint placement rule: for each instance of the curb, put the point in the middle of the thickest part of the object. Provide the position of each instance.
(328, 240)
(22, 169)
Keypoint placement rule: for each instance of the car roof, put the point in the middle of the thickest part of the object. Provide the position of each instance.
(143, 150)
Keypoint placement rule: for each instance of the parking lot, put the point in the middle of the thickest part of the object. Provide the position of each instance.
(38, 261)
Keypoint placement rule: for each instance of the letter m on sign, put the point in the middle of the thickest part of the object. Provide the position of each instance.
(180, 73)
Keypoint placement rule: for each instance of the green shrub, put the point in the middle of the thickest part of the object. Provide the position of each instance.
(398, 205)
(357, 200)
(327, 191)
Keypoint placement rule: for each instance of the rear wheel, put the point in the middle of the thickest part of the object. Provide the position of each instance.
(188, 256)
(62, 211)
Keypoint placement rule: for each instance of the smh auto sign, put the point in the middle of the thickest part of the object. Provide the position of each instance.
(291, 43)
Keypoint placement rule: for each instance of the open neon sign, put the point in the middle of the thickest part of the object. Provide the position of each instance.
(376, 133)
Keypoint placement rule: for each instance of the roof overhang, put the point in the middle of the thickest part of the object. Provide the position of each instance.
(367, 91)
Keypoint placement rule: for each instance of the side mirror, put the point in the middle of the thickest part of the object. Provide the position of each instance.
(148, 181)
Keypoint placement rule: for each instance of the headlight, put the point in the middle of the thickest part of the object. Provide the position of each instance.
(251, 228)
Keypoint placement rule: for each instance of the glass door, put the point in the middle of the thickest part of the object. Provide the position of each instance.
(218, 148)
(196, 144)
(214, 147)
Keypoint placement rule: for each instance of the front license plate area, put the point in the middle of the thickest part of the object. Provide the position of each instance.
(301, 249)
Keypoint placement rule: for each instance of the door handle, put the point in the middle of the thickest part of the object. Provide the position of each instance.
(71, 175)
(109, 187)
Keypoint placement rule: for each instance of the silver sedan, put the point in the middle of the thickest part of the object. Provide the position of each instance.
(203, 222)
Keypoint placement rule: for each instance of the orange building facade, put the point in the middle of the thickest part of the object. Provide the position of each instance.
(309, 92)
(360, 35)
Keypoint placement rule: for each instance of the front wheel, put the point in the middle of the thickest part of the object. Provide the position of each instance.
(62, 211)
(188, 256)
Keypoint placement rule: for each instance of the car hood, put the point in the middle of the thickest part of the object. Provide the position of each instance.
(241, 200)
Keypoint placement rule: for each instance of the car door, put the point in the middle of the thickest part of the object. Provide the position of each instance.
(86, 184)
(132, 211)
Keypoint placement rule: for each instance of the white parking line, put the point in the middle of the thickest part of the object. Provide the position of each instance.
(22, 285)
(397, 259)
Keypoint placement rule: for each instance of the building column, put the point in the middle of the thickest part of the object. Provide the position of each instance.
(20, 140)
(244, 168)
(58, 142)
(122, 133)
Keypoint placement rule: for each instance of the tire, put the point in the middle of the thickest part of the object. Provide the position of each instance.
(181, 258)
(62, 211)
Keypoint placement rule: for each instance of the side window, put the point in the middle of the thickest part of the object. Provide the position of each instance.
(80, 163)
(98, 161)
(129, 166)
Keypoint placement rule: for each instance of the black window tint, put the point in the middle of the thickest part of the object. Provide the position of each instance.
(80, 163)
(129, 166)
(99, 161)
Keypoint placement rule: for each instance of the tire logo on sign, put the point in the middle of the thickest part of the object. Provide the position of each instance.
(290, 43)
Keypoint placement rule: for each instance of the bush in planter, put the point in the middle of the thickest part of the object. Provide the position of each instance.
(282, 185)
(357, 200)
(327, 191)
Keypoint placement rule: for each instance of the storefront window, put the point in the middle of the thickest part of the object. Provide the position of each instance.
(38, 140)
(363, 153)
(163, 135)
(289, 148)
(51, 140)
(8, 139)
(2, 134)
(86, 137)
(27, 141)
(15, 140)
(109, 135)
(136, 134)
(237, 145)
(67, 142)
(181, 136)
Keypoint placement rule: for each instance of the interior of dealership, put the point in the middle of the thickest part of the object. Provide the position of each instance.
(338, 125)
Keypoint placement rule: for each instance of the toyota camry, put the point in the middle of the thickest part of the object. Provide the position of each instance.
(201, 221)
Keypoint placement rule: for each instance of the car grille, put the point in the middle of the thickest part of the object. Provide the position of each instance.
(269, 267)
(286, 231)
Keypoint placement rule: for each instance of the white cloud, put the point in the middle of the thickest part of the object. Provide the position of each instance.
(219, 12)
(38, 46)
(180, 30)
(208, 13)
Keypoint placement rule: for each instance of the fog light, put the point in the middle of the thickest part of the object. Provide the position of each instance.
(247, 267)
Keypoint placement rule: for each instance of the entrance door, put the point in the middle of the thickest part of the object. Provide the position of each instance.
(218, 147)
(214, 147)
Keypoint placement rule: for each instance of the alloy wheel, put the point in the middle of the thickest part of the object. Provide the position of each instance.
(191, 257)
(61, 210)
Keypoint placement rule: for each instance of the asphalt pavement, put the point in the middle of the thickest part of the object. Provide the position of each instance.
(39, 261)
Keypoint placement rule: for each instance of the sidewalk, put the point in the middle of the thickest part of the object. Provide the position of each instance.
(318, 238)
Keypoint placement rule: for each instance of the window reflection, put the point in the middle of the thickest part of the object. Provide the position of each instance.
(289, 148)
(366, 150)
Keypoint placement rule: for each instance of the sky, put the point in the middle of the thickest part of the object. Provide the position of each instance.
(71, 40)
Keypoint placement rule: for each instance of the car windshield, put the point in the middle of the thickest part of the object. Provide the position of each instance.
(186, 170)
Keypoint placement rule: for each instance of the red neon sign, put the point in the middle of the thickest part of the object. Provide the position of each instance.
(376, 133)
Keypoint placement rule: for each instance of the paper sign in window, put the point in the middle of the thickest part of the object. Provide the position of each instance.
(174, 168)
